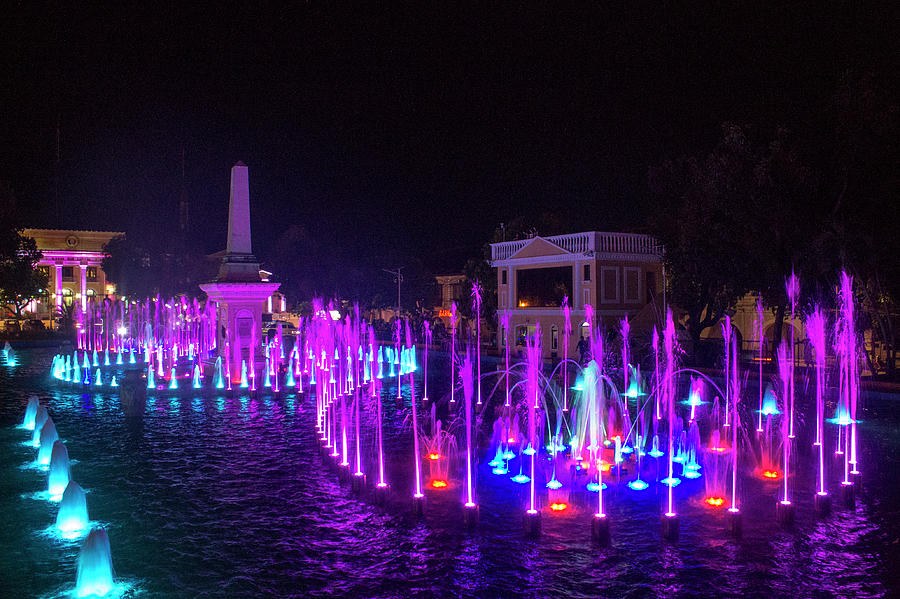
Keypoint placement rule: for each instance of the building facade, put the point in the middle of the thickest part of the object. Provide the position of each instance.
(72, 261)
(617, 274)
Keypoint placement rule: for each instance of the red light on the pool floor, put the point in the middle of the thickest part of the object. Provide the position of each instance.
(719, 449)
(434, 456)
(558, 507)
(715, 501)
(770, 474)
(438, 484)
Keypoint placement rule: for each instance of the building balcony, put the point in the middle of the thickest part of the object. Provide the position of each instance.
(587, 243)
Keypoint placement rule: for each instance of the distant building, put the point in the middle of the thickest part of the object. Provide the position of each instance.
(453, 289)
(618, 274)
(71, 259)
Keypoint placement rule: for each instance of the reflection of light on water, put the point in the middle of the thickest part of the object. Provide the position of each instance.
(842, 418)
(671, 481)
(43, 496)
(499, 470)
(554, 484)
(594, 487)
(520, 478)
(117, 590)
(558, 507)
(638, 485)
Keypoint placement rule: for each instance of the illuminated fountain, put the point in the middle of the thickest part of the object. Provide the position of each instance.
(784, 509)
(39, 420)
(72, 518)
(59, 476)
(470, 508)
(47, 437)
(95, 571)
(532, 518)
(669, 518)
(31, 411)
(815, 329)
(476, 297)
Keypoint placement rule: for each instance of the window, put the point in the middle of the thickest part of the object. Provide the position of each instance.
(503, 277)
(632, 285)
(68, 296)
(609, 285)
(68, 273)
(91, 274)
(554, 337)
(587, 272)
(44, 270)
(543, 287)
(587, 297)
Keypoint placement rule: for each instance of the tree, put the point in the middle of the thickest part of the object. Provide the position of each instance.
(20, 282)
(698, 207)
(145, 268)
(785, 230)
(862, 131)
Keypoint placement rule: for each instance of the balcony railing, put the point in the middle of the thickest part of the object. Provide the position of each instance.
(588, 242)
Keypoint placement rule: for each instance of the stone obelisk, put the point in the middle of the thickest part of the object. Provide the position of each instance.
(238, 291)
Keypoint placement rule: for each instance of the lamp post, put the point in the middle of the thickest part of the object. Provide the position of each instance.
(399, 277)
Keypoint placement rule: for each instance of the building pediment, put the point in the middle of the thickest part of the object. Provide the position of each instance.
(537, 247)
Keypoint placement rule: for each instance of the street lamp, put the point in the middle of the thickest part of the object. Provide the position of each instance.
(399, 278)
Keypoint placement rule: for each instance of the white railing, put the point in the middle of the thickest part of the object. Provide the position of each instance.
(502, 251)
(588, 242)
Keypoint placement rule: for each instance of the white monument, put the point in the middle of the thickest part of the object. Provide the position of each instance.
(238, 291)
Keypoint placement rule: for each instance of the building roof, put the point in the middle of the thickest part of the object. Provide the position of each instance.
(588, 243)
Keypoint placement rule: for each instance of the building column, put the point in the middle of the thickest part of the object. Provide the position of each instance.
(58, 290)
(578, 300)
(83, 287)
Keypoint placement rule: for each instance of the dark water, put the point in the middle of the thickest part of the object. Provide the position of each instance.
(231, 497)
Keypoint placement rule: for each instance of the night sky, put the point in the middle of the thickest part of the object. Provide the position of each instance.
(411, 129)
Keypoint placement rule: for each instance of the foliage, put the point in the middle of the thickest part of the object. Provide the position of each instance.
(20, 282)
(66, 316)
(149, 267)
(699, 208)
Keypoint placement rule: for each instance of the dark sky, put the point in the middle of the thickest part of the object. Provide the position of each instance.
(418, 129)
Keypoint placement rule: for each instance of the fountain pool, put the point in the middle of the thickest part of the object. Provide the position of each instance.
(230, 496)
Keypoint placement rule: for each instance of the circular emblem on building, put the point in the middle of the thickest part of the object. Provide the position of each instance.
(71, 241)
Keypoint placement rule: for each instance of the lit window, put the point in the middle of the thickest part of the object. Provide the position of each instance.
(91, 274)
